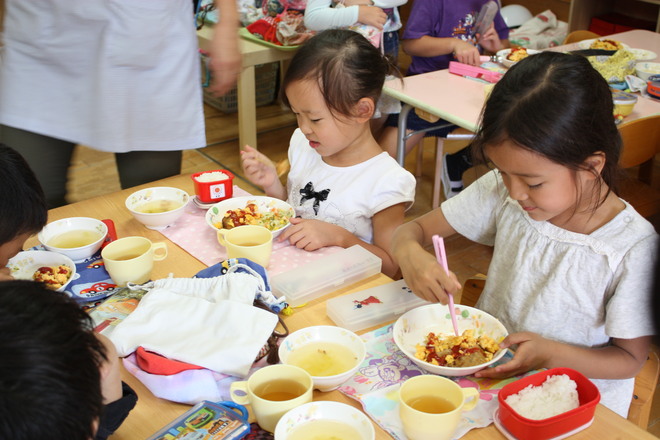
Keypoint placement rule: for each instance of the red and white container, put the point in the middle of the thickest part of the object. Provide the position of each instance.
(571, 421)
(213, 186)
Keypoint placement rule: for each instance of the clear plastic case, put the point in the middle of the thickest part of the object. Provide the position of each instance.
(325, 275)
(370, 307)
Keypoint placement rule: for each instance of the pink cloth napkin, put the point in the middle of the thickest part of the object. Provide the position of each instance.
(195, 236)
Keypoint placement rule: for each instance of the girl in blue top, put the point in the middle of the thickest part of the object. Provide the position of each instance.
(572, 265)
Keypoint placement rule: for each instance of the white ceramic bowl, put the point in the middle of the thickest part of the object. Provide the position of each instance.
(172, 200)
(264, 204)
(74, 228)
(645, 69)
(25, 264)
(315, 336)
(413, 326)
(326, 415)
(586, 44)
(504, 53)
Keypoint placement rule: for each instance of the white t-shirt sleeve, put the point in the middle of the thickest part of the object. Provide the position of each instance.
(627, 315)
(398, 186)
(473, 212)
(320, 15)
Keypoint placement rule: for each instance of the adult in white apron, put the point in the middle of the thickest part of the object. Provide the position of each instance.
(116, 75)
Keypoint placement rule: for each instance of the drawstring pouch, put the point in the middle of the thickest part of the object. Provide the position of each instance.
(207, 321)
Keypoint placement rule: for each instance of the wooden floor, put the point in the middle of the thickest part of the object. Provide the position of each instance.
(93, 173)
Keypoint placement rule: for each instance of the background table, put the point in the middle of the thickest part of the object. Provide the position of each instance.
(253, 54)
(152, 413)
(460, 100)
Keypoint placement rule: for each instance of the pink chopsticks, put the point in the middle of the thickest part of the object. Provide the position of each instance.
(441, 255)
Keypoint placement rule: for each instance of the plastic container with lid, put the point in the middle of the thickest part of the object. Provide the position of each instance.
(558, 426)
(623, 103)
(373, 306)
(325, 275)
(211, 189)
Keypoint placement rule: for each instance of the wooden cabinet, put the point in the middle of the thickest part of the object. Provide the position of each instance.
(582, 11)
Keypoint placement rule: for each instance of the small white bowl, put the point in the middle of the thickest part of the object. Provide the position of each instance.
(316, 335)
(504, 53)
(25, 264)
(645, 70)
(322, 417)
(84, 229)
(265, 204)
(165, 205)
(413, 326)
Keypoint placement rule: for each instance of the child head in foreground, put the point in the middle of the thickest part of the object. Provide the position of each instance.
(50, 368)
(22, 205)
(554, 107)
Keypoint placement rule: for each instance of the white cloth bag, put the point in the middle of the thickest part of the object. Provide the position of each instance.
(209, 322)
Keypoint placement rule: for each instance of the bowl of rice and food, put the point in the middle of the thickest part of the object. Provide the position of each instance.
(550, 404)
(54, 270)
(272, 213)
(426, 336)
(509, 57)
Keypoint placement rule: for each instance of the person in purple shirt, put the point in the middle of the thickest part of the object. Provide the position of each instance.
(437, 32)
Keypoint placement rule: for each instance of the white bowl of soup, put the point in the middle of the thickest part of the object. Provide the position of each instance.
(157, 207)
(326, 420)
(76, 237)
(331, 355)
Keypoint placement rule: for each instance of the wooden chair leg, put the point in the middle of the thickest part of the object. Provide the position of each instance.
(437, 178)
(646, 382)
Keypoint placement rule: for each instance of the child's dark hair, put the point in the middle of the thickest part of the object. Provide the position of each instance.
(345, 64)
(50, 378)
(22, 204)
(558, 106)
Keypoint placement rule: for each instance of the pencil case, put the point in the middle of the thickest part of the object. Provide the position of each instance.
(474, 72)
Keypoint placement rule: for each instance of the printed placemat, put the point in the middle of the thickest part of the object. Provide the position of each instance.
(195, 236)
(376, 385)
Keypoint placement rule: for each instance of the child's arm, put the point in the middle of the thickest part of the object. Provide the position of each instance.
(420, 268)
(620, 360)
(319, 15)
(427, 46)
(311, 234)
(262, 172)
(490, 40)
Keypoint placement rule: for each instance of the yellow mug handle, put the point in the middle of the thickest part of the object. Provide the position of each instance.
(221, 237)
(241, 399)
(160, 251)
(470, 398)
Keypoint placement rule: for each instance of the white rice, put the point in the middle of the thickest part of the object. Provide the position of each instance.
(556, 395)
(213, 176)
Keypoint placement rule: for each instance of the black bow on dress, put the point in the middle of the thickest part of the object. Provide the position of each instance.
(308, 193)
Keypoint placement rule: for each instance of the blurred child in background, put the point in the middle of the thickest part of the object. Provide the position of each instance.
(437, 32)
(344, 188)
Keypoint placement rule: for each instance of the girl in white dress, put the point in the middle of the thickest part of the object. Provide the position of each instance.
(572, 269)
(344, 188)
